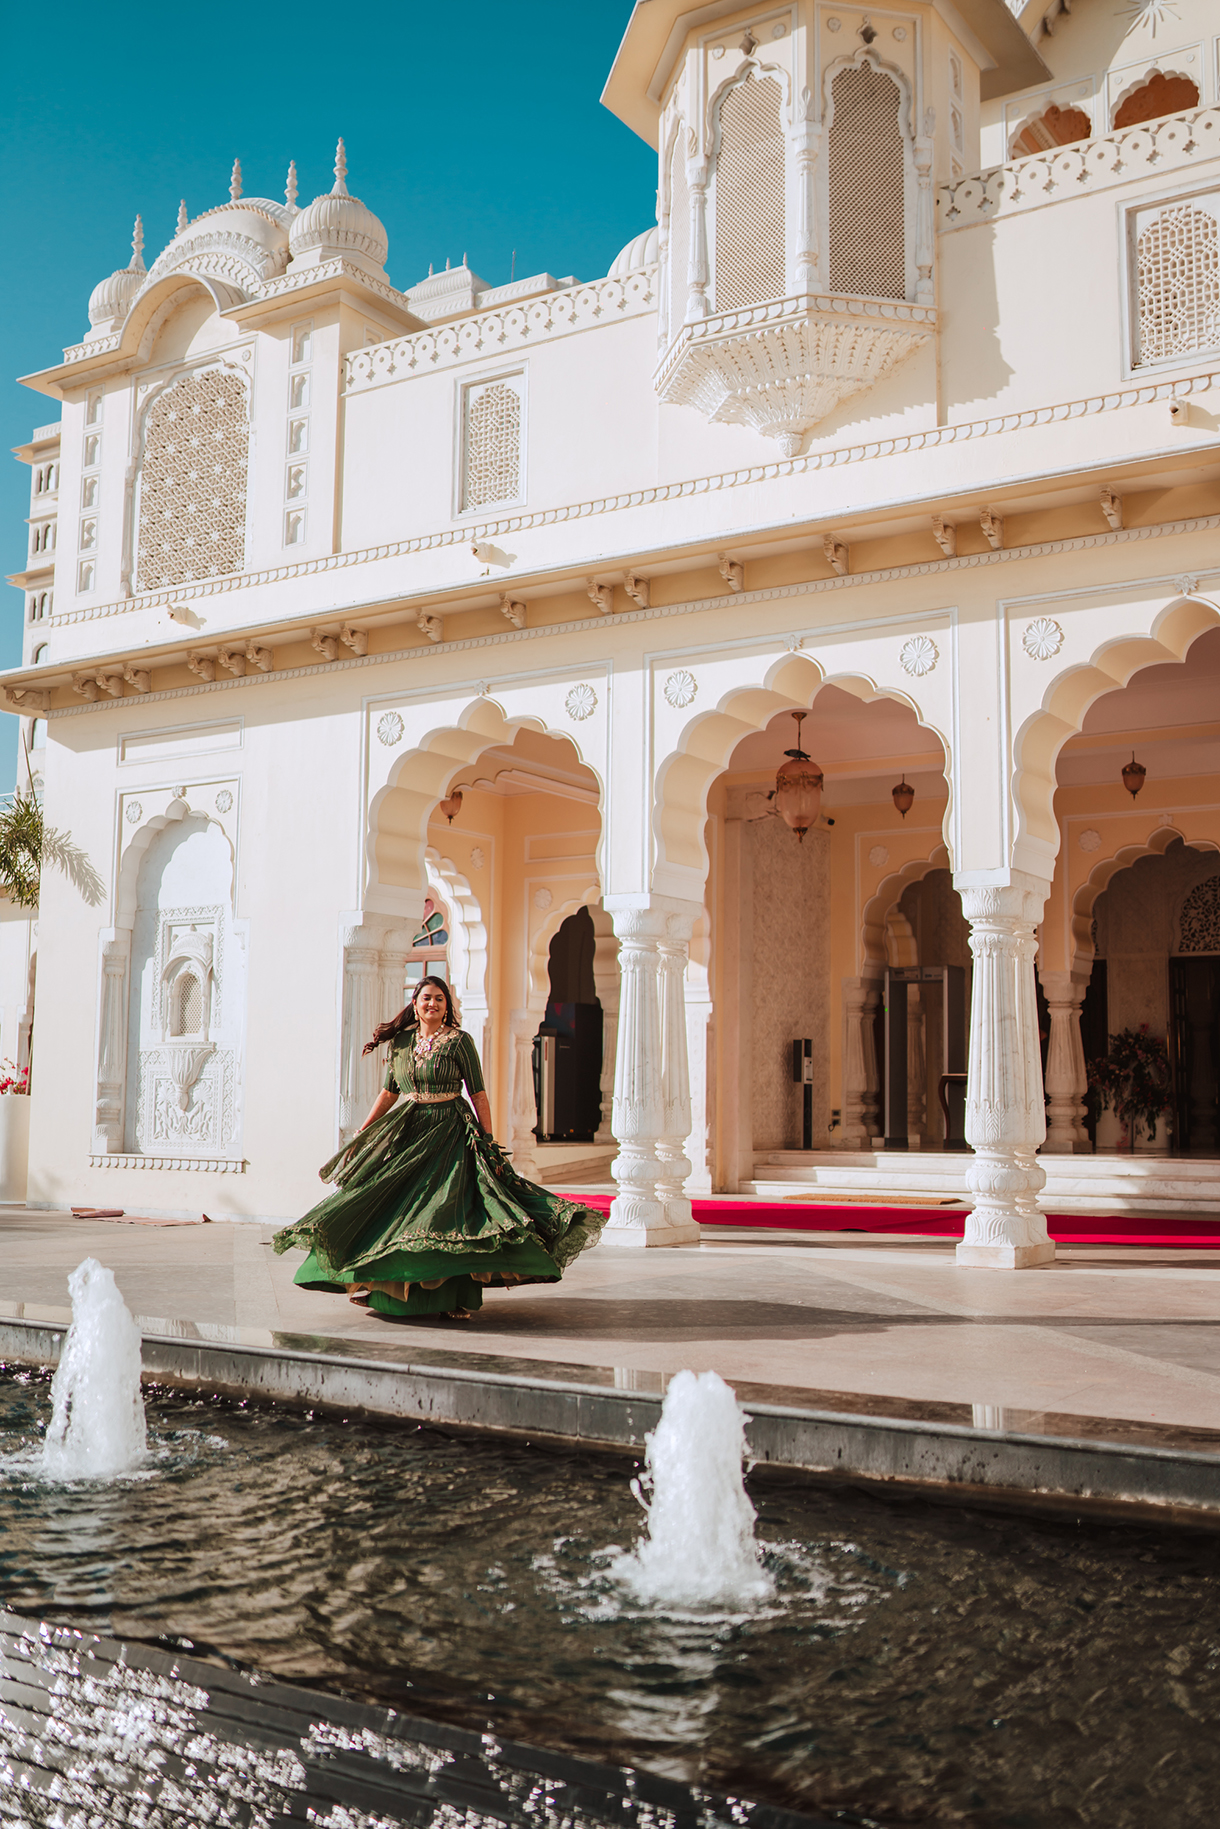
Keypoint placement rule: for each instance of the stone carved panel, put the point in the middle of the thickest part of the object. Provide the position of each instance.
(198, 1118)
(1200, 918)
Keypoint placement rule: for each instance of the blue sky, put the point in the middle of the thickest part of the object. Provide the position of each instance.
(475, 130)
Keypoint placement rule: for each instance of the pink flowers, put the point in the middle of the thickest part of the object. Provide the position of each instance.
(14, 1079)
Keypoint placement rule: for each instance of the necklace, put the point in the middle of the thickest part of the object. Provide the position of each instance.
(425, 1045)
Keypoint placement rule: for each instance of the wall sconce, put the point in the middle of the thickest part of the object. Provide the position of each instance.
(452, 805)
(798, 786)
(1134, 776)
(903, 796)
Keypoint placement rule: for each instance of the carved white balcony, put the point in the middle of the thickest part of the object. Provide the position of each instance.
(782, 367)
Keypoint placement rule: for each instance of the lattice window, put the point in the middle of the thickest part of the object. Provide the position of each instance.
(1177, 262)
(492, 443)
(187, 1018)
(867, 185)
(1200, 923)
(679, 238)
(193, 483)
(751, 234)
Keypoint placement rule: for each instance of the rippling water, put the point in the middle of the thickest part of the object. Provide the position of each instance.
(921, 1663)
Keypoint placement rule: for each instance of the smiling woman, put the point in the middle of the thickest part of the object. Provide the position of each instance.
(430, 1211)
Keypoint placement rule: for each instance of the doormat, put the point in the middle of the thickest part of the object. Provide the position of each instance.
(134, 1219)
(1171, 1233)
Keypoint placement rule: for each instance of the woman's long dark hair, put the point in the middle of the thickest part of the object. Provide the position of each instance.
(407, 1018)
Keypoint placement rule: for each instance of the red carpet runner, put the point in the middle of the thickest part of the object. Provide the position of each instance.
(1202, 1234)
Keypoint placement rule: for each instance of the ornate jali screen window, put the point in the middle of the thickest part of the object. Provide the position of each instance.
(193, 481)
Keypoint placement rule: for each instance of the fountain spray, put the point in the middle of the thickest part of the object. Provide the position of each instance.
(700, 1547)
(97, 1423)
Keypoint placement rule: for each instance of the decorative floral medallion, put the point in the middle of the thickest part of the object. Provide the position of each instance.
(878, 855)
(680, 689)
(224, 801)
(1090, 840)
(1043, 639)
(580, 703)
(179, 793)
(477, 859)
(1186, 587)
(918, 656)
(543, 898)
(135, 812)
(390, 728)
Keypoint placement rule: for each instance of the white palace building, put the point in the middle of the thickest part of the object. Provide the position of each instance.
(372, 628)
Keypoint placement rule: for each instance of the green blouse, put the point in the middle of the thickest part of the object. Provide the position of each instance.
(449, 1063)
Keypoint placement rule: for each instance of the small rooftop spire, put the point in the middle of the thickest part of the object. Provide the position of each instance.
(290, 189)
(340, 186)
(137, 246)
(183, 218)
(235, 181)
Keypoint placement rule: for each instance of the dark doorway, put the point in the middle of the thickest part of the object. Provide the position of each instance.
(568, 1046)
(1194, 1052)
(1095, 1035)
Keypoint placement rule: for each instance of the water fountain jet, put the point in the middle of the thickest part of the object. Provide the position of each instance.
(700, 1548)
(97, 1421)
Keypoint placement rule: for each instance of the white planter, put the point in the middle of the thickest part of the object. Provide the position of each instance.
(14, 1145)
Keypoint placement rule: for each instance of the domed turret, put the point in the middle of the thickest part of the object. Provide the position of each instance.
(642, 250)
(337, 226)
(110, 301)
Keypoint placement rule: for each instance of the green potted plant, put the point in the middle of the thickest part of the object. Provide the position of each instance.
(1133, 1080)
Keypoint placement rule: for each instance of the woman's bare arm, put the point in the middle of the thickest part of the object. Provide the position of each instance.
(381, 1105)
(482, 1109)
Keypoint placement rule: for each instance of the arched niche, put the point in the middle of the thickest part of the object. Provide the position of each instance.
(1106, 869)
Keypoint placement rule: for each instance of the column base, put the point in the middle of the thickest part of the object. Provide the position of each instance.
(1005, 1257)
(647, 1224)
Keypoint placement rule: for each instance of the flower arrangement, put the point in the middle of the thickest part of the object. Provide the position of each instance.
(1133, 1079)
(14, 1079)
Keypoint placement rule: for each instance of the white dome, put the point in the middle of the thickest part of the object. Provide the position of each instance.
(338, 225)
(110, 301)
(644, 251)
(243, 242)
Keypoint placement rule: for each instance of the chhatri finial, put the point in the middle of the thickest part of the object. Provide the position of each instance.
(290, 189)
(183, 218)
(137, 246)
(340, 187)
(235, 181)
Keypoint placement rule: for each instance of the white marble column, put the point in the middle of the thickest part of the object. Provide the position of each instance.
(524, 1112)
(857, 1013)
(111, 1099)
(806, 149)
(1005, 1117)
(651, 1080)
(1067, 1080)
(360, 1074)
(699, 272)
(701, 1059)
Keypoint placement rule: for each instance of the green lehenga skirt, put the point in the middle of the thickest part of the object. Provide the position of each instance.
(429, 1212)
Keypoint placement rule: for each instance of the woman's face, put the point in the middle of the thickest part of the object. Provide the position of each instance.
(430, 1005)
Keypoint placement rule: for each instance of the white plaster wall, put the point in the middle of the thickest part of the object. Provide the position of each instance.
(791, 979)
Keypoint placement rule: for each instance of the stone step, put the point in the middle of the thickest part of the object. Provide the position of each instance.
(1143, 1183)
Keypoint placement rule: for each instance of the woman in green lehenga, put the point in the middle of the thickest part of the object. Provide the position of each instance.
(429, 1210)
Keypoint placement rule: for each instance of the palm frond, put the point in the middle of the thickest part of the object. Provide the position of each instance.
(26, 843)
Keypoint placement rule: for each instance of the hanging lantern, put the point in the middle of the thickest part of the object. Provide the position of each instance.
(903, 796)
(1134, 776)
(452, 805)
(798, 786)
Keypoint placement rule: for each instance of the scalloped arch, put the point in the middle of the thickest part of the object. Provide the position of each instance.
(1102, 875)
(685, 776)
(127, 885)
(1112, 665)
(397, 837)
(888, 894)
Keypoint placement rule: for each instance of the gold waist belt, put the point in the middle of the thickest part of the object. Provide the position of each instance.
(434, 1098)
